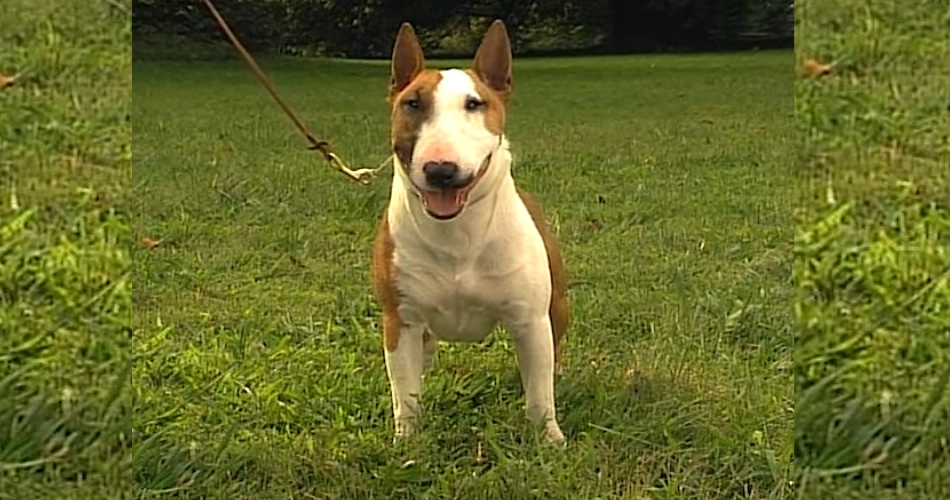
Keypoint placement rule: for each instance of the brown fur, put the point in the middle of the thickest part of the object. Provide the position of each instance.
(491, 70)
(560, 310)
(384, 283)
(407, 122)
(494, 112)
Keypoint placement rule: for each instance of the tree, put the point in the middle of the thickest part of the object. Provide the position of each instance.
(365, 28)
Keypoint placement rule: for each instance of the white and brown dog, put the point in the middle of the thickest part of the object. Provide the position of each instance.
(460, 248)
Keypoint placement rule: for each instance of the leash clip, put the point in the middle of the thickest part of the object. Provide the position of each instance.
(364, 176)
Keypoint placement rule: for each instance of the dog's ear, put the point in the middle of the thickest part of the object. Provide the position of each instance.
(493, 60)
(408, 60)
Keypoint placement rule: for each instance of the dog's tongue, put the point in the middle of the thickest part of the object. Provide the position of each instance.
(445, 203)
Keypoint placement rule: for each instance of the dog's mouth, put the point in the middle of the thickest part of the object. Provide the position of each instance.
(448, 203)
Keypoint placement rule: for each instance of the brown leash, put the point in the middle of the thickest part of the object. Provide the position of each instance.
(363, 175)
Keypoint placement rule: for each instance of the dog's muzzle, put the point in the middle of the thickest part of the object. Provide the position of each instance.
(446, 194)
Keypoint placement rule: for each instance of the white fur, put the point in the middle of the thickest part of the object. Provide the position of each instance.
(459, 278)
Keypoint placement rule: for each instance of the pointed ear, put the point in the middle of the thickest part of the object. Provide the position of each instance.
(408, 60)
(493, 60)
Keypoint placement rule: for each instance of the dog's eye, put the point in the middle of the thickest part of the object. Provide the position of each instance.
(471, 104)
(411, 103)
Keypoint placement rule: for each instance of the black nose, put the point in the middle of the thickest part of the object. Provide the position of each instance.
(441, 174)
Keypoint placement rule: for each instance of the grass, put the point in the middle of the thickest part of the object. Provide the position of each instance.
(259, 370)
(872, 252)
(65, 287)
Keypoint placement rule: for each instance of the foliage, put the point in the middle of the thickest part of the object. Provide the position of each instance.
(365, 28)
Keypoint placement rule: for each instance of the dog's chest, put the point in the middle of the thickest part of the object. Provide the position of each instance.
(456, 303)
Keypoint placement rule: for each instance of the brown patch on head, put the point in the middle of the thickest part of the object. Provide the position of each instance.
(491, 71)
(384, 283)
(495, 104)
(412, 106)
(560, 309)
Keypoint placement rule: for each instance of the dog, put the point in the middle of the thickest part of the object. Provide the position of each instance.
(460, 249)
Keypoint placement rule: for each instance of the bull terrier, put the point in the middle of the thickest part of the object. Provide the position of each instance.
(460, 249)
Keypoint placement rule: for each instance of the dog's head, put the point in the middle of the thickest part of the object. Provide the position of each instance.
(446, 125)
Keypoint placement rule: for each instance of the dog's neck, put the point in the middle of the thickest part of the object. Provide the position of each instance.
(477, 218)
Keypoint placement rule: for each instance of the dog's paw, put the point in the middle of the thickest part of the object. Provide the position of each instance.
(553, 434)
(404, 427)
(402, 438)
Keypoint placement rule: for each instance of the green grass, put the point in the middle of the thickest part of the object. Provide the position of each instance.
(259, 369)
(872, 257)
(65, 284)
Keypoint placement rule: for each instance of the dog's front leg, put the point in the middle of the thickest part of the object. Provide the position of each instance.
(404, 366)
(535, 345)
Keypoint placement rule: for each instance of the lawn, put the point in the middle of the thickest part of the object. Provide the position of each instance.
(65, 260)
(872, 251)
(259, 370)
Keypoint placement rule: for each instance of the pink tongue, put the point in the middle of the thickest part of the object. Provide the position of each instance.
(444, 203)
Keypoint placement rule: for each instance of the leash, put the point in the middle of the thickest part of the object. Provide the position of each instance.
(364, 175)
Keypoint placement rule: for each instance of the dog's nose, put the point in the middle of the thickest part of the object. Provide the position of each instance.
(441, 174)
